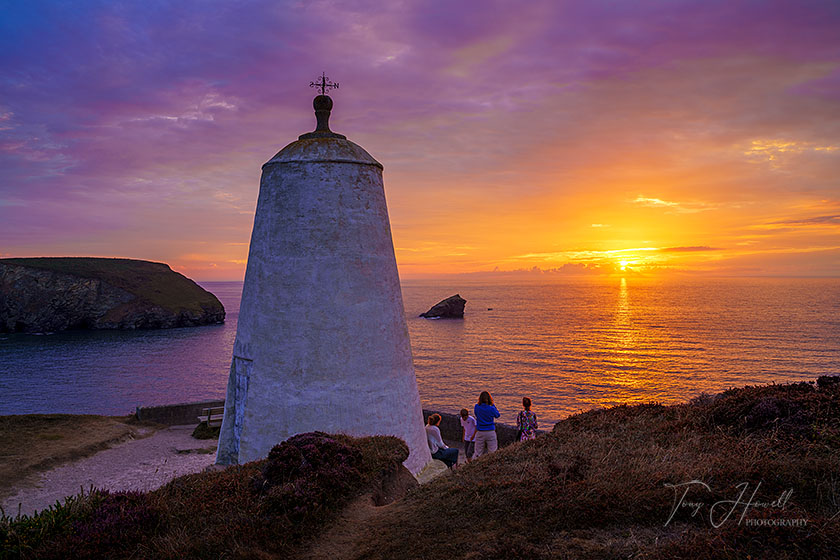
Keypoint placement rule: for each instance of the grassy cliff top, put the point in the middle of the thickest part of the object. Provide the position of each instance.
(150, 281)
(645, 481)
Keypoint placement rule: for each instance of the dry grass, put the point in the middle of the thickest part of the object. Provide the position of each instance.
(600, 485)
(597, 486)
(37, 442)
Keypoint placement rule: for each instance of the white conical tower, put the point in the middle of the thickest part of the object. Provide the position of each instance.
(321, 342)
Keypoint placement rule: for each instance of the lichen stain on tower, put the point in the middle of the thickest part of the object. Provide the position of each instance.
(321, 342)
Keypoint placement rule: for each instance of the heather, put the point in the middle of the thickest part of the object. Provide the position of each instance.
(266, 507)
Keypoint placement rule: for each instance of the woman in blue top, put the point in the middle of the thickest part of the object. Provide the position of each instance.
(485, 433)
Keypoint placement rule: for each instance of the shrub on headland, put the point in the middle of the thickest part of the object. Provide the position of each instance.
(790, 411)
(203, 431)
(306, 475)
(112, 529)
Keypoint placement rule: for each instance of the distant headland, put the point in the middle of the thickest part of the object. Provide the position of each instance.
(50, 294)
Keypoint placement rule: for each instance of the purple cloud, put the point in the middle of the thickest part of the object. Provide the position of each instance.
(122, 121)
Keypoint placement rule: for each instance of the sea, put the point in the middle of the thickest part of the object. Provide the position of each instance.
(569, 344)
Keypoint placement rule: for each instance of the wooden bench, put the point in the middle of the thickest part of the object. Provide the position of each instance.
(212, 415)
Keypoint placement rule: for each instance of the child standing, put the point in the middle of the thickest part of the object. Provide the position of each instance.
(468, 433)
(526, 422)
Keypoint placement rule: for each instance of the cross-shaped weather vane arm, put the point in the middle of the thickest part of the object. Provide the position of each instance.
(323, 83)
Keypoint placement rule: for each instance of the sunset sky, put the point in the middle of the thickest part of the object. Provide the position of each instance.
(673, 137)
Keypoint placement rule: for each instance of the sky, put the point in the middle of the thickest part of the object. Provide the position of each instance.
(559, 138)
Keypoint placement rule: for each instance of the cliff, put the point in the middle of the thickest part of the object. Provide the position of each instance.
(61, 293)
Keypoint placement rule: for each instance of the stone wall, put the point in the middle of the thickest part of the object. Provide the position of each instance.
(186, 413)
(175, 414)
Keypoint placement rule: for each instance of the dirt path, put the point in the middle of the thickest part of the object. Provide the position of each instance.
(342, 537)
(137, 464)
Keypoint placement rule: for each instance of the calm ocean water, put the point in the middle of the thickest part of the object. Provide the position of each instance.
(570, 345)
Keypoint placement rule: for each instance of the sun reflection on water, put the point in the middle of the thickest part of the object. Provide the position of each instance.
(624, 346)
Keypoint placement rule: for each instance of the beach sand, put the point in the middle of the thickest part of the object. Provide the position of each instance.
(144, 463)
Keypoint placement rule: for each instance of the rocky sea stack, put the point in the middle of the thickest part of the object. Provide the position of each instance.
(450, 308)
(60, 293)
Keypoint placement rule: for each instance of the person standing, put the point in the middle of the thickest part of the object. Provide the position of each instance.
(485, 434)
(468, 433)
(440, 451)
(526, 421)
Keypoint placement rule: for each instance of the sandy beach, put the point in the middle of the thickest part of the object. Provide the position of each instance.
(142, 463)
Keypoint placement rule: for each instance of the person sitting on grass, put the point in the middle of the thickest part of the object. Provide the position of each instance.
(440, 451)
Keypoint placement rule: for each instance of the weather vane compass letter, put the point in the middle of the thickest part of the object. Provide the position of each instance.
(323, 83)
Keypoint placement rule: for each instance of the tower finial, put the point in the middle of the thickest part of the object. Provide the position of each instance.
(323, 105)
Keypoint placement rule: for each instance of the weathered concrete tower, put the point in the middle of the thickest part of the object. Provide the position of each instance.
(322, 342)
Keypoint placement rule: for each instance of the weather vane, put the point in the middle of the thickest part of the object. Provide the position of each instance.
(323, 83)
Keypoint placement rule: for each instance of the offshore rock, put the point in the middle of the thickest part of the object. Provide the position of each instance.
(52, 294)
(450, 308)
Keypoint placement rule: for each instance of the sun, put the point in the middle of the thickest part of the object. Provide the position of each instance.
(624, 264)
